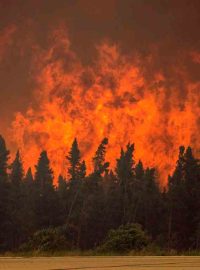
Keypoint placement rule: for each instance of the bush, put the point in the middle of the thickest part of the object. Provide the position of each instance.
(125, 238)
(50, 239)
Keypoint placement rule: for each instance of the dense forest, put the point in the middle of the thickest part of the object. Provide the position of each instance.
(80, 211)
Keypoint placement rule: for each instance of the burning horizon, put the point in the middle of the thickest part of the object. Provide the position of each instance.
(111, 98)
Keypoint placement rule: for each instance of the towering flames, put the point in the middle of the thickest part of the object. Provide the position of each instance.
(111, 98)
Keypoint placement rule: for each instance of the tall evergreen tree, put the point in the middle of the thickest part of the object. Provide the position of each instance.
(16, 203)
(75, 197)
(74, 159)
(43, 174)
(152, 204)
(82, 171)
(76, 173)
(125, 175)
(62, 186)
(93, 207)
(29, 177)
(184, 203)
(46, 199)
(4, 196)
(4, 156)
(99, 163)
(112, 202)
(17, 173)
(138, 193)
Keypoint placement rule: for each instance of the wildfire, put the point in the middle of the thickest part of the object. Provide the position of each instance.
(111, 98)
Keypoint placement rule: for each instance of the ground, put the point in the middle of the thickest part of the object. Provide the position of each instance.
(106, 263)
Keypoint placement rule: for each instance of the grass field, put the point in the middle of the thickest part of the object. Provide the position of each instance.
(106, 263)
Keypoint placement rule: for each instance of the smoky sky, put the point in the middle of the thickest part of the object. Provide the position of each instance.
(165, 28)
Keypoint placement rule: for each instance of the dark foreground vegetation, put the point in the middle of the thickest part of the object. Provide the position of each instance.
(107, 211)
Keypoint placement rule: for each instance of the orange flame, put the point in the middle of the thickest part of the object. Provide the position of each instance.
(110, 98)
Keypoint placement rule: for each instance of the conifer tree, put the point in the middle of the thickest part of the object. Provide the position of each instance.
(82, 171)
(94, 198)
(63, 195)
(125, 166)
(46, 199)
(125, 175)
(151, 200)
(4, 196)
(74, 159)
(17, 173)
(4, 156)
(77, 172)
(17, 203)
(44, 174)
(138, 193)
(99, 163)
(29, 177)
(139, 171)
(62, 186)
(30, 194)
(183, 194)
(112, 201)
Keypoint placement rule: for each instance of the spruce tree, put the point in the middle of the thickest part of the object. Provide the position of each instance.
(152, 205)
(46, 199)
(43, 174)
(125, 175)
(63, 195)
(29, 177)
(4, 157)
(4, 196)
(99, 163)
(17, 203)
(94, 203)
(17, 173)
(62, 186)
(28, 208)
(82, 171)
(74, 159)
(77, 173)
(184, 203)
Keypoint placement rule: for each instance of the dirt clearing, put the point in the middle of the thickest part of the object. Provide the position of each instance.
(106, 263)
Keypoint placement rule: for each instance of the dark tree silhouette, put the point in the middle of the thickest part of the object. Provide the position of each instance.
(78, 211)
(46, 199)
(29, 177)
(99, 163)
(4, 195)
(17, 173)
(4, 156)
(44, 174)
(125, 175)
(74, 159)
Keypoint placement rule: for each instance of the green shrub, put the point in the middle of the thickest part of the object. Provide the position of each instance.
(125, 238)
(50, 239)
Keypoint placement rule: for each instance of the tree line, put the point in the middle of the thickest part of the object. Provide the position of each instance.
(88, 206)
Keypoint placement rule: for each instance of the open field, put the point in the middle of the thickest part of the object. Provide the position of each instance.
(106, 263)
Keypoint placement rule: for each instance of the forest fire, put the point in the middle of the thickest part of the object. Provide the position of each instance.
(99, 128)
(111, 98)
